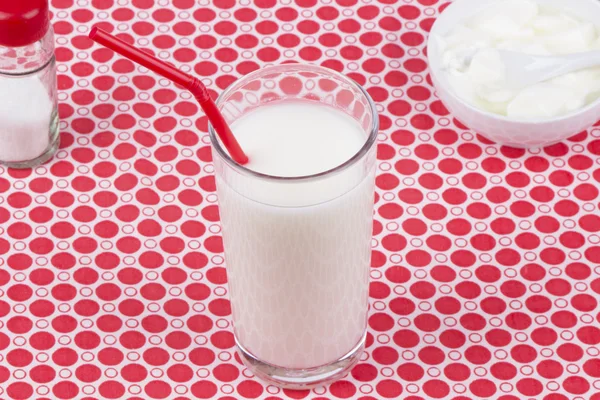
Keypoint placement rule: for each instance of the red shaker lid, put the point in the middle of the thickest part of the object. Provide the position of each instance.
(23, 22)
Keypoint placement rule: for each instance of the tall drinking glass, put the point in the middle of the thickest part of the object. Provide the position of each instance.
(298, 249)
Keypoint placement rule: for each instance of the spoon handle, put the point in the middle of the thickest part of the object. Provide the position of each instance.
(530, 69)
(574, 62)
(585, 60)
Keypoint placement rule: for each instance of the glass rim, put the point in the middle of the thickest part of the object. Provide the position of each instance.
(359, 155)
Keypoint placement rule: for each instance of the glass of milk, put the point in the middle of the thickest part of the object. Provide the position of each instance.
(297, 220)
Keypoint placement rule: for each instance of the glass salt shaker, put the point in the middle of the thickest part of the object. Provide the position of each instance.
(28, 104)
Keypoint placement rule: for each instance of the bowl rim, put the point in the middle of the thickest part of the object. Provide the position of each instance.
(433, 57)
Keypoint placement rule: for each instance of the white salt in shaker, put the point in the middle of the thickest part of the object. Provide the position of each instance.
(28, 104)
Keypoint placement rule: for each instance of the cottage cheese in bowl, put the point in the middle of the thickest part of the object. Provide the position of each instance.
(524, 26)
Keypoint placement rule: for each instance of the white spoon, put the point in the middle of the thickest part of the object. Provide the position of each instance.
(521, 70)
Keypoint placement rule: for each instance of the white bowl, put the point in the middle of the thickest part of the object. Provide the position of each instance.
(496, 127)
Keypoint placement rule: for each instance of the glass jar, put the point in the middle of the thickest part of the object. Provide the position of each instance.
(28, 92)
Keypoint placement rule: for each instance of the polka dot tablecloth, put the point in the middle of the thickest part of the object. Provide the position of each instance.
(485, 273)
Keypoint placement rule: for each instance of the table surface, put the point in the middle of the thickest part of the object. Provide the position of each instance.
(112, 278)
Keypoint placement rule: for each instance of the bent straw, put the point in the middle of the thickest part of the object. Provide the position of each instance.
(181, 78)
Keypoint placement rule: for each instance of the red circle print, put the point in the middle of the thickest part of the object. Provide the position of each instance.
(436, 389)
(115, 279)
(19, 390)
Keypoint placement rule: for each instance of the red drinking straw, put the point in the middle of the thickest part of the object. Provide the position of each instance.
(181, 78)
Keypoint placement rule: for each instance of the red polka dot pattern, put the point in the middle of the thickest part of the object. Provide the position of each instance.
(112, 279)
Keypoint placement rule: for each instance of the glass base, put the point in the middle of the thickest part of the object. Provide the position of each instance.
(42, 158)
(301, 378)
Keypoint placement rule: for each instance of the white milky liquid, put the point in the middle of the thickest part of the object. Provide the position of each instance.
(298, 255)
(297, 139)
